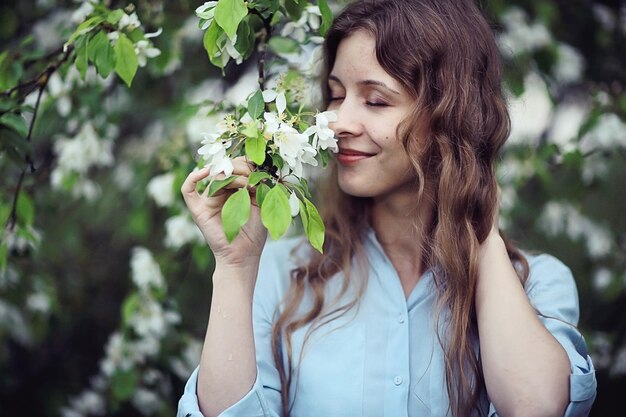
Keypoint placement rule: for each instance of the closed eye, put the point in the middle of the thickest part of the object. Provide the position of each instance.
(376, 104)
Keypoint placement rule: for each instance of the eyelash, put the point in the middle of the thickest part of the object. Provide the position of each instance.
(369, 103)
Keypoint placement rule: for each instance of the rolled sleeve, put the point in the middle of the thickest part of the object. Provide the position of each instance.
(552, 291)
(253, 404)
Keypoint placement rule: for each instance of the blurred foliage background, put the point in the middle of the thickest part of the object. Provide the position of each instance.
(105, 281)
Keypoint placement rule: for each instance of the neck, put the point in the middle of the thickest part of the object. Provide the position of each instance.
(401, 227)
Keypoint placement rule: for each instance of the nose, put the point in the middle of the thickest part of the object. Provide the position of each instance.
(347, 123)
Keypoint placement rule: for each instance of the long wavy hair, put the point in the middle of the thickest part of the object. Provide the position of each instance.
(444, 54)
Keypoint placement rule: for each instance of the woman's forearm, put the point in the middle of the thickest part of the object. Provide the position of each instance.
(526, 370)
(228, 364)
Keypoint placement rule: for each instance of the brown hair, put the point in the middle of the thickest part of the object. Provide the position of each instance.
(453, 136)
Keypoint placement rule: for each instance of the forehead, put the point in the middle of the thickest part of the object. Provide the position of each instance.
(356, 60)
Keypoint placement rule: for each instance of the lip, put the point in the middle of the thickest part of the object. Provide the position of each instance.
(351, 156)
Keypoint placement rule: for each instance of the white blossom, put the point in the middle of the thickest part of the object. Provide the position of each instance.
(80, 14)
(570, 64)
(186, 363)
(146, 401)
(323, 136)
(213, 151)
(519, 36)
(568, 118)
(161, 189)
(608, 133)
(129, 22)
(207, 10)
(89, 403)
(180, 230)
(146, 273)
(38, 302)
(144, 50)
(602, 278)
(84, 150)
(60, 90)
(530, 113)
(294, 204)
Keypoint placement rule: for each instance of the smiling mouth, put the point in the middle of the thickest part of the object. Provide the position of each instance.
(349, 156)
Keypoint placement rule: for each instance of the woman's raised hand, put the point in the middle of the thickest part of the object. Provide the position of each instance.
(207, 214)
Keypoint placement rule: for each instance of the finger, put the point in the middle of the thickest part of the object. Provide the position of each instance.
(188, 189)
(242, 166)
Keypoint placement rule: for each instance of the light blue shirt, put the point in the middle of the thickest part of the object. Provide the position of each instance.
(383, 358)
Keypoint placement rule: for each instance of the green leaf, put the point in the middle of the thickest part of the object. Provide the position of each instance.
(126, 65)
(10, 71)
(255, 149)
(123, 384)
(315, 226)
(10, 139)
(256, 105)
(101, 53)
(82, 48)
(261, 192)
(85, 27)
(256, 177)
(327, 16)
(245, 39)
(15, 122)
(283, 45)
(217, 185)
(229, 13)
(235, 213)
(251, 130)
(25, 209)
(4, 254)
(115, 16)
(275, 212)
(130, 307)
(295, 8)
(211, 35)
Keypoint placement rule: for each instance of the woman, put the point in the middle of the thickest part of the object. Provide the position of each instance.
(419, 306)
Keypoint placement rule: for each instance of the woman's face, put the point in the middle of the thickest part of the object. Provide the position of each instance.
(369, 103)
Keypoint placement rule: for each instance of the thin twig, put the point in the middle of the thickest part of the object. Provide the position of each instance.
(42, 83)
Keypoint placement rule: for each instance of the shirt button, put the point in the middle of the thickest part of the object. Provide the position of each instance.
(401, 318)
(397, 380)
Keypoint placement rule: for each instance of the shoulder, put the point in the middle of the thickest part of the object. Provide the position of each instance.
(551, 287)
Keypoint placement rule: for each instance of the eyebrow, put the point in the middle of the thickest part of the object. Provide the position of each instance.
(367, 82)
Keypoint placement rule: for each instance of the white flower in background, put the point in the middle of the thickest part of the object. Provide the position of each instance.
(594, 167)
(602, 278)
(600, 349)
(149, 319)
(123, 175)
(568, 118)
(570, 64)
(530, 113)
(129, 22)
(145, 50)
(213, 151)
(47, 32)
(560, 217)
(245, 85)
(311, 17)
(608, 133)
(618, 367)
(604, 15)
(146, 401)
(38, 302)
(161, 189)
(80, 14)
(294, 204)
(16, 241)
(12, 322)
(61, 90)
(323, 136)
(186, 363)
(146, 273)
(519, 36)
(88, 402)
(180, 230)
(83, 151)
(212, 90)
